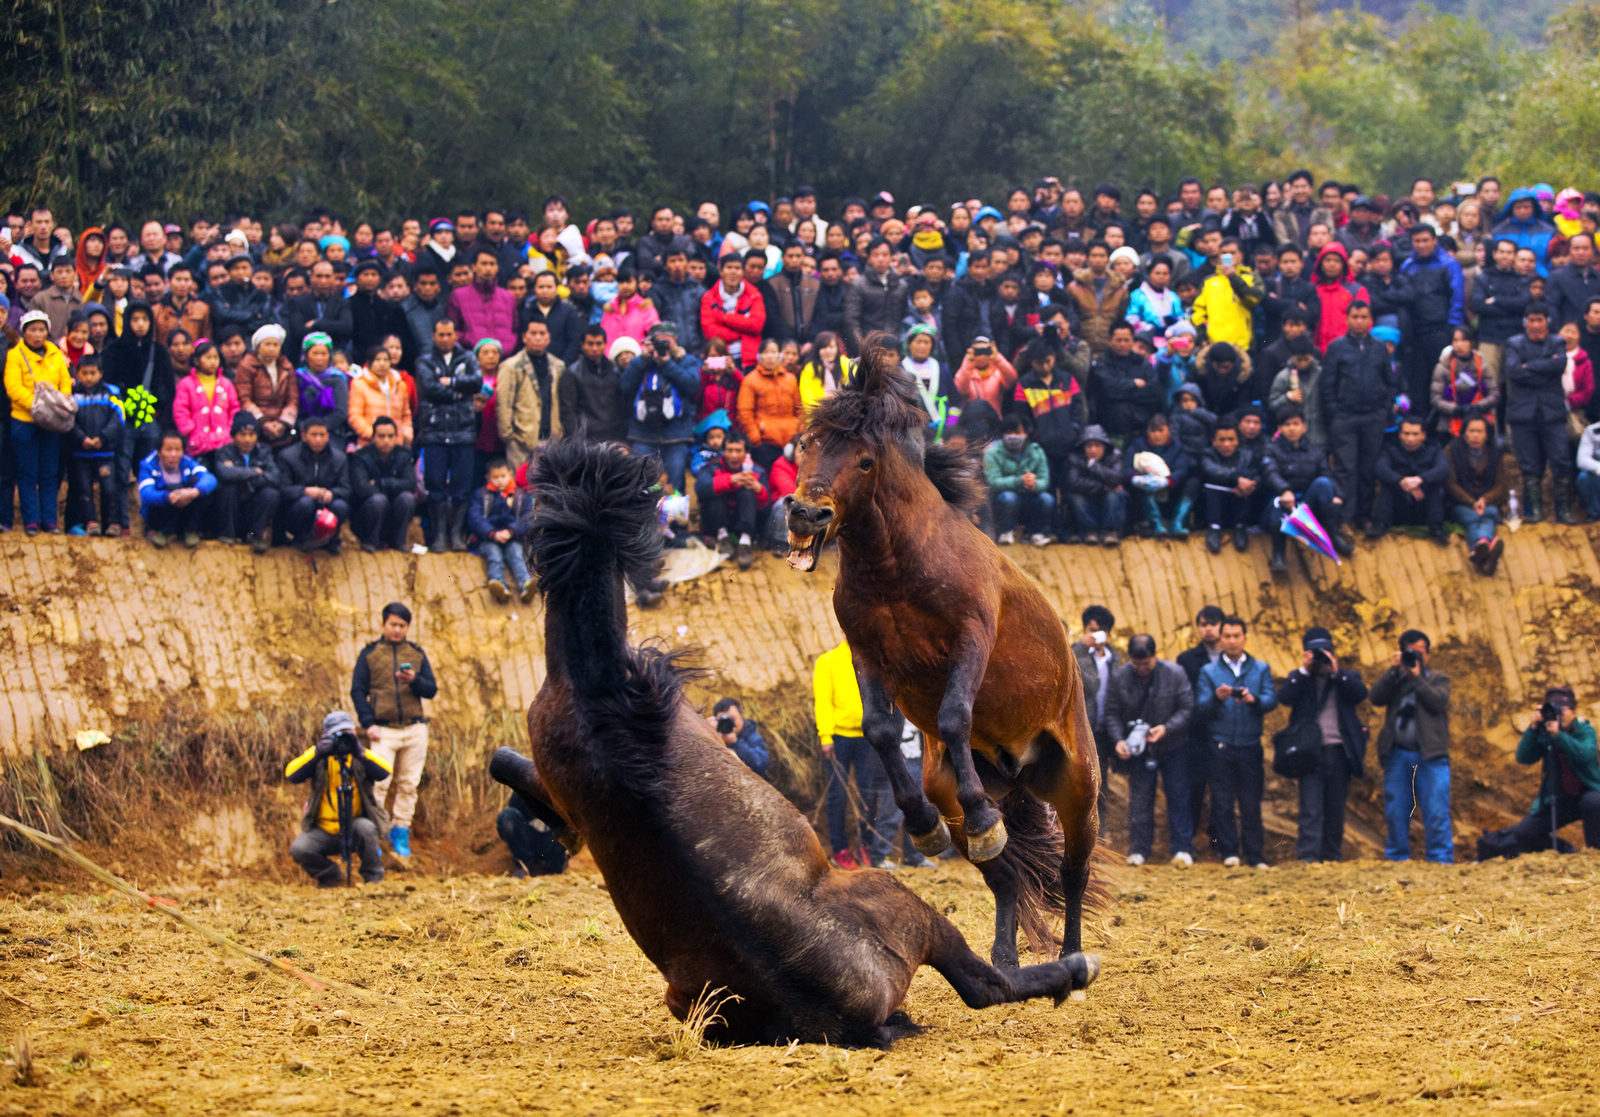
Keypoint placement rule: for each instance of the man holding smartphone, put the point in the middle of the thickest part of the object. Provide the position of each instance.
(392, 677)
(1235, 693)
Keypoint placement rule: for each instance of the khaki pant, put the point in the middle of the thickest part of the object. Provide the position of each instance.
(406, 750)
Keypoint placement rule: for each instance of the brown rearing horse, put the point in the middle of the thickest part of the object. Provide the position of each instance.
(943, 626)
(717, 877)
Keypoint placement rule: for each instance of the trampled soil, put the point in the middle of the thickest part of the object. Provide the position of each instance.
(1457, 989)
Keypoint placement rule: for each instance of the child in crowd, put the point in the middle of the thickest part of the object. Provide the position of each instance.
(1295, 386)
(99, 455)
(496, 518)
(1095, 488)
(174, 493)
(710, 432)
(206, 404)
(1192, 424)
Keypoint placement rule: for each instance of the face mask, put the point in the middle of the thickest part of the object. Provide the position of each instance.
(1015, 442)
(603, 290)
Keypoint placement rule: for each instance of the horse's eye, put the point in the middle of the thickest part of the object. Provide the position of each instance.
(866, 465)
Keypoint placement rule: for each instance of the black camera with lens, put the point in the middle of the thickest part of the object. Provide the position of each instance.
(661, 346)
(1052, 332)
(1409, 658)
(983, 350)
(725, 724)
(1549, 712)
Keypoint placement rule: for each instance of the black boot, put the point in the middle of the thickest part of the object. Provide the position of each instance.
(1562, 496)
(1279, 563)
(458, 526)
(1533, 502)
(438, 523)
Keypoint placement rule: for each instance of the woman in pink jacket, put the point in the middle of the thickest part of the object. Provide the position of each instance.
(984, 374)
(629, 314)
(206, 403)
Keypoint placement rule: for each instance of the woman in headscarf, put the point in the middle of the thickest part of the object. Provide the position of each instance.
(324, 390)
(268, 386)
(90, 263)
(139, 367)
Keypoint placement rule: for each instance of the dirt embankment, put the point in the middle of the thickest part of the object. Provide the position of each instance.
(160, 649)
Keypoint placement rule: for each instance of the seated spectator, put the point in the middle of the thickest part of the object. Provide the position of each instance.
(1222, 372)
(1411, 475)
(324, 389)
(1570, 788)
(1230, 475)
(174, 492)
(709, 432)
(315, 478)
(99, 444)
(731, 494)
(1475, 488)
(769, 404)
(319, 841)
(1161, 477)
(246, 499)
(1192, 422)
(1149, 705)
(1322, 695)
(205, 405)
(1123, 387)
(1294, 388)
(740, 734)
(379, 391)
(535, 849)
(1018, 476)
(495, 520)
(383, 488)
(1301, 465)
(1463, 386)
(1094, 486)
(268, 388)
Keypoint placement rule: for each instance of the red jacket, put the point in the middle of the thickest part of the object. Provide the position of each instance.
(743, 325)
(718, 395)
(722, 480)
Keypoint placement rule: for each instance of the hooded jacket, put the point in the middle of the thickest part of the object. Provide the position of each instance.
(1094, 478)
(99, 416)
(1334, 298)
(1222, 394)
(1192, 428)
(1534, 232)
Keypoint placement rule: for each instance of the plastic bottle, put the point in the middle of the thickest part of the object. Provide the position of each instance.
(1513, 511)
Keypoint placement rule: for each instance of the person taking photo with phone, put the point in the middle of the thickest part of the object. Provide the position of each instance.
(1414, 750)
(392, 677)
(1322, 698)
(1235, 693)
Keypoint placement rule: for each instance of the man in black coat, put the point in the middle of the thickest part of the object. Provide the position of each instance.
(373, 317)
(1499, 298)
(654, 245)
(828, 314)
(1321, 694)
(1572, 287)
(876, 301)
(794, 296)
(383, 488)
(1357, 386)
(323, 309)
(1124, 391)
(1151, 698)
(1411, 474)
(1536, 412)
(966, 304)
(314, 476)
(246, 499)
(238, 302)
(546, 305)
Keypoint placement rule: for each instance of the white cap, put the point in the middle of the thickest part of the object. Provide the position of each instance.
(33, 316)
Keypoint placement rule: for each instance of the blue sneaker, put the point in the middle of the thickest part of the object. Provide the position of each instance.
(400, 840)
(76, 529)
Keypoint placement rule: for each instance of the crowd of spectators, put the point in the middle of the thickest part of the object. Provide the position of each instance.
(1135, 362)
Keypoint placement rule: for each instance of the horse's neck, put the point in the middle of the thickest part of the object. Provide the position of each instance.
(577, 636)
(905, 507)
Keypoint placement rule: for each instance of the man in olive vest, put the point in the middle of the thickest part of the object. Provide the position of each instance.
(392, 677)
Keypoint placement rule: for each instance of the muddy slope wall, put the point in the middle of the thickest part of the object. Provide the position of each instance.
(94, 633)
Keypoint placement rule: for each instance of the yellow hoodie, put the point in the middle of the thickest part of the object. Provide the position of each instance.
(837, 694)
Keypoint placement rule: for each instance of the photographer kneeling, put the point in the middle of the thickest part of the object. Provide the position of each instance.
(343, 815)
(1565, 744)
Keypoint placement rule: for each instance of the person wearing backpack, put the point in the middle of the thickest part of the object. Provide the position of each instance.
(663, 385)
(34, 363)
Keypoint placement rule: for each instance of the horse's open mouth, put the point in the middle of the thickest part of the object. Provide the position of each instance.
(803, 551)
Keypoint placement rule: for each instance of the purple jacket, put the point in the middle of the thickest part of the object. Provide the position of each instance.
(479, 314)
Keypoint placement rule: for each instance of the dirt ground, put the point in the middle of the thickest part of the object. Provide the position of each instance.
(1301, 989)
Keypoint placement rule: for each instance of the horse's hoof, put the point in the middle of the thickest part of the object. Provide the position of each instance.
(1082, 969)
(1077, 995)
(934, 842)
(987, 845)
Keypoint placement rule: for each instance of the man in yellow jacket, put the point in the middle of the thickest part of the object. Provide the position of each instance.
(851, 762)
(322, 838)
(1229, 292)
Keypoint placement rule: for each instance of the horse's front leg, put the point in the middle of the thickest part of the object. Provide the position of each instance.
(985, 829)
(883, 725)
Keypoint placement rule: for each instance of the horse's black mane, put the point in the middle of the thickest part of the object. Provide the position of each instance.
(880, 405)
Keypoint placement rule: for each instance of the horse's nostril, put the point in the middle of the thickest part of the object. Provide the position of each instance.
(820, 516)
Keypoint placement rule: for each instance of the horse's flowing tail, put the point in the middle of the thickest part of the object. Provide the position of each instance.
(1033, 849)
(594, 522)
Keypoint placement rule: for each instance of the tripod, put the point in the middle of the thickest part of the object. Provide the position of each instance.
(347, 796)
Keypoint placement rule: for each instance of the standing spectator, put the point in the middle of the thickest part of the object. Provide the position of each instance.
(1229, 292)
(372, 316)
(495, 520)
(1357, 386)
(61, 298)
(34, 360)
(1536, 412)
(1588, 466)
(1208, 631)
(180, 308)
(321, 310)
(1523, 223)
(174, 493)
(733, 312)
(1499, 299)
(1322, 698)
(677, 299)
(99, 444)
(662, 386)
(1292, 220)
(422, 308)
(246, 498)
(1097, 660)
(320, 830)
(528, 388)
(1018, 476)
(1101, 297)
(323, 386)
(1438, 305)
(1463, 385)
(139, 367)
(483, 308)
(1235, 693)
(769, 405)
(205, 404)
(986, 375)
(1475, 489)
(732, 493)
(447, 427)
(238, 302)
(742, 735)
(795, 297)
(1336, 292)
(589, 395)
(1414, 749)
(392, 677)
(1573, 286)
(875, 302)
(315, 477)
(383, 488)
(1570, 788)
(1152, 697)
(1123, 387)
(848, 759)
(1412, 473)
(630, 314)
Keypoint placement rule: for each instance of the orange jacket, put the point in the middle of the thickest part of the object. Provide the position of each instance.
(370, 399)
(769, 407)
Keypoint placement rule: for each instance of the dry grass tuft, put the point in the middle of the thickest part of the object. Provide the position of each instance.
(686, 1038)
(22, 1060)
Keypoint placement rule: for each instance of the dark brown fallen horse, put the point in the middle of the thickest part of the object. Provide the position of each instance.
(944, 626)
(720, 880)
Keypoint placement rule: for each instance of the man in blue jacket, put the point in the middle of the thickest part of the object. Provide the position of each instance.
(1235, 693)
(661, 390)
(1438, 306)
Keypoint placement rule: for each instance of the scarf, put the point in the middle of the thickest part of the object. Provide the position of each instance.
(316, 392)
(1160, 301)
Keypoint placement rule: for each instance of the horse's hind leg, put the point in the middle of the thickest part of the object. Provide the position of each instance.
(980, 985)
(882, 726)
